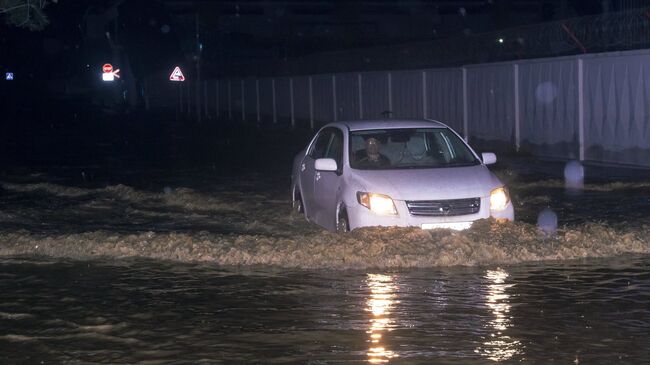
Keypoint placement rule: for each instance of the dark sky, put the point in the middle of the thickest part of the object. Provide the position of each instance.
(154, 34)
(271, 29)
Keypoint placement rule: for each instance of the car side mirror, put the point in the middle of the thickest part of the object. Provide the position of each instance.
(489, 158)
(326, 164)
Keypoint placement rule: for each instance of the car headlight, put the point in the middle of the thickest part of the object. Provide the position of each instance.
(377, 203)
(499, 198)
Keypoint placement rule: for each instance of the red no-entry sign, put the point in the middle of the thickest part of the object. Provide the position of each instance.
(110, 74)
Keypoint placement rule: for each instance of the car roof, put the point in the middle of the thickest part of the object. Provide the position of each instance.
(360, 125)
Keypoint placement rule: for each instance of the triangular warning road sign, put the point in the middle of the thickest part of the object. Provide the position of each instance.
(177, 75)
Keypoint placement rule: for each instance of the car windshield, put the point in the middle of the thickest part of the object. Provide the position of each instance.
(386, 149)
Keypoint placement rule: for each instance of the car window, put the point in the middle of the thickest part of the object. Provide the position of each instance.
(404, 148)
(335, 148)
(320, 146)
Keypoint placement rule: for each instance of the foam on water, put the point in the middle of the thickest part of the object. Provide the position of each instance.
(17, 338)
(182, 197)
(487, 242)
(14, 316)
(242, 227)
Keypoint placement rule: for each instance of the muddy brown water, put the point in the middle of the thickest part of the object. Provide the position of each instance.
(195, 266)
(203, 215)
(594, 311)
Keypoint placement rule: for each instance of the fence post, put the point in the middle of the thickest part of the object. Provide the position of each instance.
(390, 94)
(581, 108)
(180, 98)
(189, 98)
(334, 96)
(293, 116)
(275, 116)
(359, 81)
(146, 95)
(424, 94)
(515, 69)
(257, 99)
(205, 97)
(229, 99)
(243, 101)
(311, 104)
(465, 116)
(197, 97)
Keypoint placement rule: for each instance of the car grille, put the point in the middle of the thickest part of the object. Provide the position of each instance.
(444, 208)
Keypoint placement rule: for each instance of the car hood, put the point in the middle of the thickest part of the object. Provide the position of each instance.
(429, 184)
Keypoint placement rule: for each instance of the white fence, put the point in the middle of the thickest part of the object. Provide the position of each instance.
(590, 107)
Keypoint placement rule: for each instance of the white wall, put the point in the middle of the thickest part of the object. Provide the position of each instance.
(407, 94)
(591, 107)
(323, 99)
(490, 99)
(444, 97)
(617, 108)
(549, 103)
(374, 91)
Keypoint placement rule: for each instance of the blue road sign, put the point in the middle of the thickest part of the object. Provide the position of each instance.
(9, 76)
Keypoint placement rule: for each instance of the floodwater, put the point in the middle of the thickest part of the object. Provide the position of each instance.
(199, 266)
(202, 215)
(593, 311)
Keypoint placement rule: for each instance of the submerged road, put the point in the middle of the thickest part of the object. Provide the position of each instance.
(117, 263)
(141, 311)
(205, 214)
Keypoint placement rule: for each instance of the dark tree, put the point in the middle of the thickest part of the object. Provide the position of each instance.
(25, 13)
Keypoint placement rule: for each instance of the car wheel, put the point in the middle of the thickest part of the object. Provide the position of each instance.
(342, 223)
(298, 207)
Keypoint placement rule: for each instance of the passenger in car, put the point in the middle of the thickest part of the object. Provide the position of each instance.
(371, 157)
(416, 152)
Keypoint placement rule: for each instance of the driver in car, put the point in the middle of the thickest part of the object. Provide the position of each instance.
(370, 157)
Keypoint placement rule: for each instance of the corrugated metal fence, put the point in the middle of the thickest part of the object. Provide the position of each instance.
(591, 107)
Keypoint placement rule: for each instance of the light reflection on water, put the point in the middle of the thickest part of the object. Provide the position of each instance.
(596, 312)
(380, 303)
(500, 346)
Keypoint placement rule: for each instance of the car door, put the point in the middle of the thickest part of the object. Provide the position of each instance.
(308, 171)
(327, 183)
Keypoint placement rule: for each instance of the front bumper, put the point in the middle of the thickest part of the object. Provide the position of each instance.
(360, 216)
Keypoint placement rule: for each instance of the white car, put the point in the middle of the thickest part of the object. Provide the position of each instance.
(395, 173)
